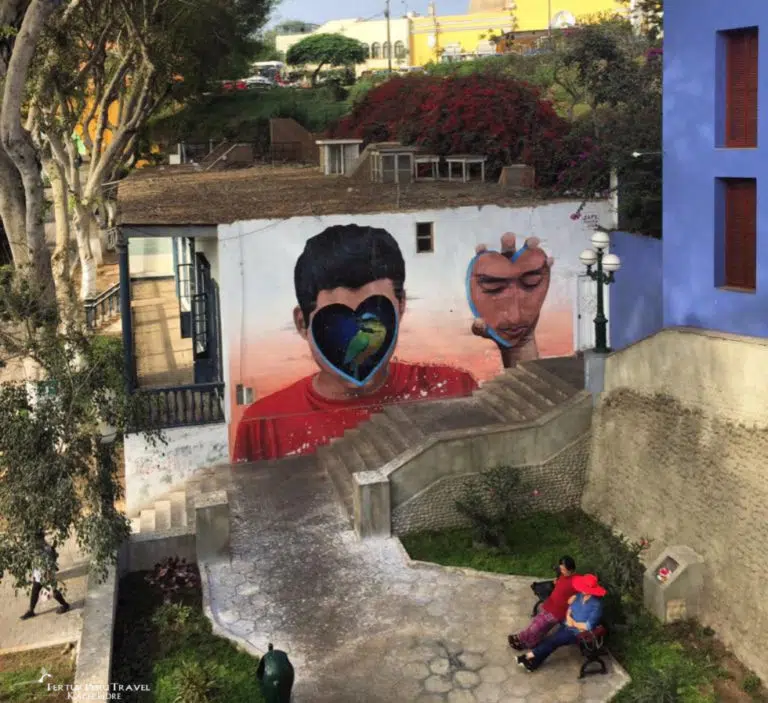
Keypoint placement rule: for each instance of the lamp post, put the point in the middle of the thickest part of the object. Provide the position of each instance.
(606, 265)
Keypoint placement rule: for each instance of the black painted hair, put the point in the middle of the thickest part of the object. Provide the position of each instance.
(346, 256)
(569, 563)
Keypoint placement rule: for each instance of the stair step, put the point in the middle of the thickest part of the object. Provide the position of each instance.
(147, 519)
(365, 449)
(549, 394)
(163, 515)
(511, 382)
(341, 481)
(500, 404)
(378, 437)
(347, 453)
(409, 431)
(178, 509)
(515, 403)
(388, 429)
(564, 389)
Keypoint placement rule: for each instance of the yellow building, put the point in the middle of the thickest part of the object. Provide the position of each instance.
(372, 33)
(462, 36)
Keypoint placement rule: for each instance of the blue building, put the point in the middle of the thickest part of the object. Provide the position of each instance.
(715, 176)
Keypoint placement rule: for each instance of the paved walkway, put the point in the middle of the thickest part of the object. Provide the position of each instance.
(46, 628)
(358, 622)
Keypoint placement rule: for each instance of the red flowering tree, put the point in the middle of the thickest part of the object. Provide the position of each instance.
(498, 117)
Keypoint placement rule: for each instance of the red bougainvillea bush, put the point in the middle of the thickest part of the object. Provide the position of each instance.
(499, 117)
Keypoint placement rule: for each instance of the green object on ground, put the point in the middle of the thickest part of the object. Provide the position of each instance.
(276, 675)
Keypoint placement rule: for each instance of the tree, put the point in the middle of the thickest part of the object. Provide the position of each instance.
(326, 50)
(21, 183)
(110, 66)
(57, 474)
(650, 14)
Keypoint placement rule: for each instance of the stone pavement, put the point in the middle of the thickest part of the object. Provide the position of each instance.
(46, 628)
(359, 622)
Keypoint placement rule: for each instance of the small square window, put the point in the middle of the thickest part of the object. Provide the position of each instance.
(425, 238)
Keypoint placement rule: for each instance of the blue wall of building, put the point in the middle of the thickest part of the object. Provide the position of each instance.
(637, 296)
(693, 82)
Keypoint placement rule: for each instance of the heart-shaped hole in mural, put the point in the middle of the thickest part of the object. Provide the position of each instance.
(507, 291)
(356, 343)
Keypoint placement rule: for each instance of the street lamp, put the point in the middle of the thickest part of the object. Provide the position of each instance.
(606, 266)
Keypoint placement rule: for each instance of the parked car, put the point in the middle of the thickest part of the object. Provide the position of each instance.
(256, 82)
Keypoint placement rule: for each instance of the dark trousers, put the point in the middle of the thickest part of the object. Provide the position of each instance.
(35, 595)
(561, 638)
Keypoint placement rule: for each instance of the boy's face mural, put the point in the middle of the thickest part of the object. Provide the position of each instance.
(375, 310)
(507, 290)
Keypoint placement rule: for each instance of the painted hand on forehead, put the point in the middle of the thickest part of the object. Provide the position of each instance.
(508, 289)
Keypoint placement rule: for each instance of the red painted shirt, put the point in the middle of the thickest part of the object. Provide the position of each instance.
(557, 604)
(296, 420)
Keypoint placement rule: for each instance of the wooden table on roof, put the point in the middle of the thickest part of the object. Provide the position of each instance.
(432, 160)
(465, 160)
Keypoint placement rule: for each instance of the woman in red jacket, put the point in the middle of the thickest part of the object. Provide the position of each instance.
(552, 611)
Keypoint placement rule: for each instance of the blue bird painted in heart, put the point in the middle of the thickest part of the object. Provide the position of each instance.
(370, 335)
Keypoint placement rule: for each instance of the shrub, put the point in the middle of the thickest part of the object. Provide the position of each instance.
(194, 682)
(174, 577)
(492, 503)
(751, 683)
(489, 114)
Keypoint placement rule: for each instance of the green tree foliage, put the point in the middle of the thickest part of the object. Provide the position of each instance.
(651, 13)
(321, 50)
(57, 471)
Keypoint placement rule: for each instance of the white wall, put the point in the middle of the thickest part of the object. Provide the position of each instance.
(151, 471)
(150, 256)
(257, 258)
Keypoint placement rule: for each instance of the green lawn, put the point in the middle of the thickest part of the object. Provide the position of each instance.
(245, 115)
(20, 674)
(682, 662)
(171, 648)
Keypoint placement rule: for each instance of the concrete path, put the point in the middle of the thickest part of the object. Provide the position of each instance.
(46, 628)
(359, 622)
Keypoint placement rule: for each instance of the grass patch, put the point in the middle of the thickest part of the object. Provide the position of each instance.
(682, 663)
(245, 115)
(21, 671)
(171, 648)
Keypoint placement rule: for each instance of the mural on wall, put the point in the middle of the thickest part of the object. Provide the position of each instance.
(349, 283)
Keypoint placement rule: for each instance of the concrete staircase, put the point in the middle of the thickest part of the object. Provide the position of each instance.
(175, 511)
(518, 396)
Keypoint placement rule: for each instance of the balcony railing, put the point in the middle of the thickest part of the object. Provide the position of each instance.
(181, 406)
(103, 308)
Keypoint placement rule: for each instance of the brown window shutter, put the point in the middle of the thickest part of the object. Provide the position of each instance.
(741, 233)
(741, 88)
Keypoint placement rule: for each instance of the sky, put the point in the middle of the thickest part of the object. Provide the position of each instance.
(317, 12)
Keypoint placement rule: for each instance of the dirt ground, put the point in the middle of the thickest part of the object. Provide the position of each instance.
(20, 673)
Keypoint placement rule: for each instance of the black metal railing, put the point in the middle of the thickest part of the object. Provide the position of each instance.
(180, 406)
(103, 308)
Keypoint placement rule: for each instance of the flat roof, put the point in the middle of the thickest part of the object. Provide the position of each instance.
(182, 198)
(323, 142)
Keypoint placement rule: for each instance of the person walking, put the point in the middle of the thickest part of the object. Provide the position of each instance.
(41, 580)
(552, 610)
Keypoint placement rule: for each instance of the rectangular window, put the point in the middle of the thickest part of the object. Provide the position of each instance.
(738, 237)
(740, 88)
(425, 239)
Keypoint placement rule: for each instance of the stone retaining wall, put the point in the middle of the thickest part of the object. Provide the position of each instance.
(559, 484)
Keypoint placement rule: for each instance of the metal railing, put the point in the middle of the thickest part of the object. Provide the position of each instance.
(103, 308)
(181, 406)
